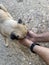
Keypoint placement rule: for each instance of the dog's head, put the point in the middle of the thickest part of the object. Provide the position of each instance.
(20, 31)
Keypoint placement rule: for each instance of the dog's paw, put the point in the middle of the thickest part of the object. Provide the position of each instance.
(3, 8)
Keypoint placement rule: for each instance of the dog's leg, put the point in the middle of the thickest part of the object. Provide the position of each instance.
(9, 15)
(6, 42)
(3, 8)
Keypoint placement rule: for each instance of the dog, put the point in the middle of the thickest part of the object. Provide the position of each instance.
(9, 28)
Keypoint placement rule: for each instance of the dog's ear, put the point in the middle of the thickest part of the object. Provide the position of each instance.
(20, 21)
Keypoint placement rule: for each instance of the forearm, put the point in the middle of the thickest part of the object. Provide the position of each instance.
(43, 37)
(43, 53)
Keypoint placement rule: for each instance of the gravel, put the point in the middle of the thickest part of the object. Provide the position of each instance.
(35, 14)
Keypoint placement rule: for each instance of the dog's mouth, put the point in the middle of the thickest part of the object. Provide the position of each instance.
(14, 37)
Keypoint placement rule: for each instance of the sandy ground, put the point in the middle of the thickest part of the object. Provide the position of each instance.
(35, 13)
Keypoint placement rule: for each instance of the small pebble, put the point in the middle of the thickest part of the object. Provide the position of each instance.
(34, 30)
(29, 63)
(39, 25)
(23, 58)
(43, 21)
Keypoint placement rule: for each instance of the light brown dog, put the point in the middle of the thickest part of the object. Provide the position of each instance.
(9, 28)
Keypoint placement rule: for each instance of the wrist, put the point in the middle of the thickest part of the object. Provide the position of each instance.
(33, 47)
(27, 43)
(30, 43)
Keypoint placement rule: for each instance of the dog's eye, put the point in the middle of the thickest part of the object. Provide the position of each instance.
(19, 21)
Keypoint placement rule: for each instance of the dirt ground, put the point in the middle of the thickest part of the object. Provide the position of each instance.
(35, 13)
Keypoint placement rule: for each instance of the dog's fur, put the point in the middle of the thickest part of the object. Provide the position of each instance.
(8, 25)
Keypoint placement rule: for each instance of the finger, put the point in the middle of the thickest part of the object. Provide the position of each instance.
(30, 33)
(32, 39)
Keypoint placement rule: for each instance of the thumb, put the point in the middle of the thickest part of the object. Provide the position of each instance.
(32, 39)
(30, 33)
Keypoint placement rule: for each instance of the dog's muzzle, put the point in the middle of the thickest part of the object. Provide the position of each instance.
(13, 36)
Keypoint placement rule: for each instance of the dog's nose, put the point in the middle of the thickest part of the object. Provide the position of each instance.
(17, 37)
(13, 36)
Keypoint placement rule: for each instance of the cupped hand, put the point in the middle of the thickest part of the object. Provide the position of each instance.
(30, 38)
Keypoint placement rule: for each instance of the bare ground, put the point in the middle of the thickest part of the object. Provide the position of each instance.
(35, 13)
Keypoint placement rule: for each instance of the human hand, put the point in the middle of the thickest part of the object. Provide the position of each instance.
(26, 42)
(30, 38)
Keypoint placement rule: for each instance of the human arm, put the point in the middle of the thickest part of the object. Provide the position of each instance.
(43, 37)
(41, 51)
